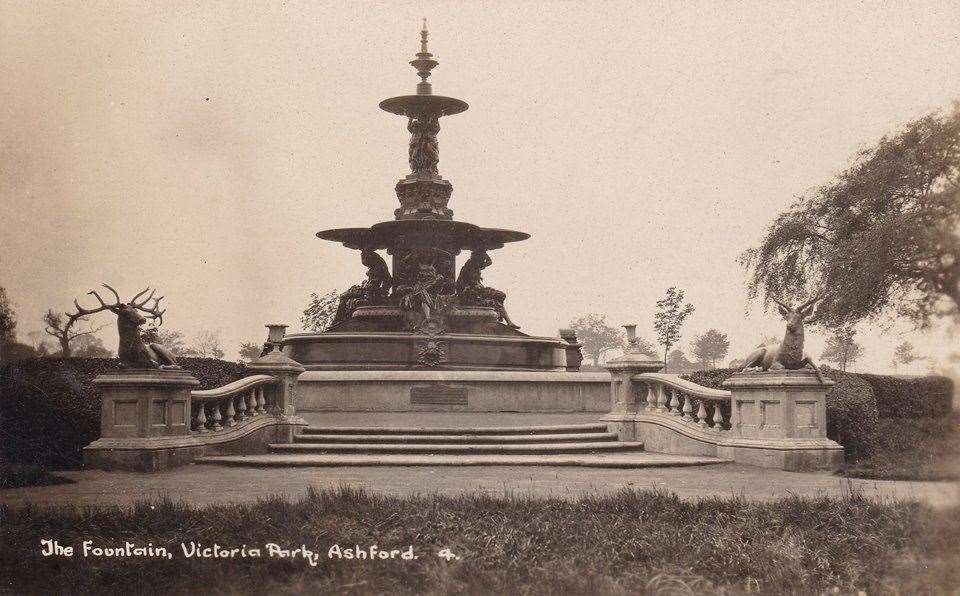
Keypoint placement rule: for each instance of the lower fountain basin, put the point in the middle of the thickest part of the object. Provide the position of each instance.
(412, 351)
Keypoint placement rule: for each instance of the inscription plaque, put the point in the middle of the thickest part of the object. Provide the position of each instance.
(438, 395)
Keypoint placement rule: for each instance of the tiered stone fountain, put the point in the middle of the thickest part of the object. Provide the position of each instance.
(418, 333)
(419, 313)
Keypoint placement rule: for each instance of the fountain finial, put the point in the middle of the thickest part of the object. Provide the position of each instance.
(424, 62)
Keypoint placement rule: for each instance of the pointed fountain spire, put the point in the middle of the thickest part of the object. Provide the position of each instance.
(424, 62)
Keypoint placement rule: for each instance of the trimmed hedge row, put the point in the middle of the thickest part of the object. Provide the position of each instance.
(916, 397)
(50, 409)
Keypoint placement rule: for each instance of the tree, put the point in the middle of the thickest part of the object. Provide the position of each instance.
(904, 354)
(206, 344)
(250, 351)
(881, 237)
(8, 318)
(320, 311)
(677, 361)
(172, 340)
(90, 346)
(595, 336)
(671, 312)
(61, 327)
(842, 349)
(710, 347)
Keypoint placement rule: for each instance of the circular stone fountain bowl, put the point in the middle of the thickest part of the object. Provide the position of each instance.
(405, 351)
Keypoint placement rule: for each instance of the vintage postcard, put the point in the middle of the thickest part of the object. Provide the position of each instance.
(495, 297)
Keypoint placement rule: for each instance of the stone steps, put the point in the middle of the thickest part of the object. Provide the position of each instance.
(631, 460)
(456, 439)
(448, 449)
(439, 430)
(590, 445)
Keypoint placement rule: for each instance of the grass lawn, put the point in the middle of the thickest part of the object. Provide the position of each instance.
(632, 542)
(912, 449)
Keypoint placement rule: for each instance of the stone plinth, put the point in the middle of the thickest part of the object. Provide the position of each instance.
(623, 391)
(778, 420)
(286, 370)
(452, 391)
(145, 403)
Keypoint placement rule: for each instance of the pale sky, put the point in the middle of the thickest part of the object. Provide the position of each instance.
(198, 147)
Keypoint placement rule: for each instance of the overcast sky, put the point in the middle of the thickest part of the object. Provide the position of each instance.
(199, 147)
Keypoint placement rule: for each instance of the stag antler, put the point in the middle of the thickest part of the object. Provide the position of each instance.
(154, 311)
(103, 305)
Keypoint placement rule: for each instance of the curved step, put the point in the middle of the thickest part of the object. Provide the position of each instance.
(455, 439)
(636, 459)
(488, 430)
(471, 448)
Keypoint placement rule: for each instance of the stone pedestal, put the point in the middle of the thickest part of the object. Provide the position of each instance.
(623, 391)
(287, 371)
(778, 420)
(145, 403)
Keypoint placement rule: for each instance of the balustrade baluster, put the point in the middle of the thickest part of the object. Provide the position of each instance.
(216, 417)
(651, 397)
(241, 407)
(261, 401)
(674, 402)
(687, 408)
(230, 413)
(702, 414)
(202, 418)
(661, 398)
(717, 416)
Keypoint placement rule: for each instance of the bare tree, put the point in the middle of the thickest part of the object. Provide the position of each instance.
(206, 344)
(63, 327)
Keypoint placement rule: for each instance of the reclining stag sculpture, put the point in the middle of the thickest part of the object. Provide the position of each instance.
(135, 350)
(789, 353)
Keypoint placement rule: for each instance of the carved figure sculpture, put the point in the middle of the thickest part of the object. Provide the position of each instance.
(374, 288)
(471, 290)
(787, 354)
(429, 292)
(134, 351)
(424, 149)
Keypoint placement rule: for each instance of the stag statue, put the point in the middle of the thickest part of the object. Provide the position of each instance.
(787, 354)
(135, 350)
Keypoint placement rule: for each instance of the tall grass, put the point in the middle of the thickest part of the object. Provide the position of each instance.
(631, 542)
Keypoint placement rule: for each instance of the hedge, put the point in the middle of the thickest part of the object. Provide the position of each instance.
(50, 409)
(851, 407)
(916, 397)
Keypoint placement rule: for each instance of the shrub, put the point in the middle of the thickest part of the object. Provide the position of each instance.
(918, 397)
(851, 413)
(51, 410)
(851, 407)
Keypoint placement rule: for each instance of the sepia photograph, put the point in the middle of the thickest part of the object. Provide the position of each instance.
(430, 297)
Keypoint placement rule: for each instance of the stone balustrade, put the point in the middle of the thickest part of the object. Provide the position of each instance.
(225, 407)
(773, 419)
(708, 409)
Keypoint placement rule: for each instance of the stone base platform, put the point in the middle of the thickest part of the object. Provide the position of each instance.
(638, 459)
(453, 391)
